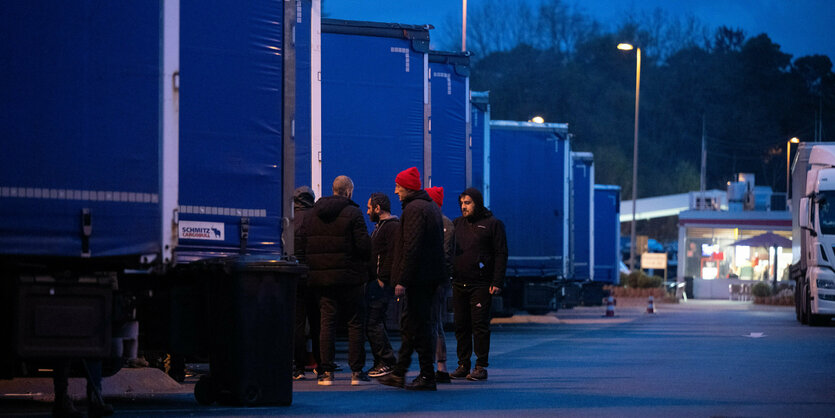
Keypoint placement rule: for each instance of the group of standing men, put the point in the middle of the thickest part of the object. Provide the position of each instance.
(408, 259)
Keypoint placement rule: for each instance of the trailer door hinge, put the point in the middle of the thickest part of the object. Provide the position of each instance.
(86, 231)
(244, 233)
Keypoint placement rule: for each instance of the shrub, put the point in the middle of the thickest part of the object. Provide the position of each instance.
(761, 290)
(639, 280)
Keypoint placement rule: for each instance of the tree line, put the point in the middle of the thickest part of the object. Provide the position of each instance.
(555, 61)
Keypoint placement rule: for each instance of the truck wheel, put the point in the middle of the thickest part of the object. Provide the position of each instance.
(797, 305)
(804, 304)
(204, 391)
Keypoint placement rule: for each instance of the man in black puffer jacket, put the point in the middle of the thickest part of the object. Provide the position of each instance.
(334, 243)
(307, 302)
(478, 274)
(417, 271)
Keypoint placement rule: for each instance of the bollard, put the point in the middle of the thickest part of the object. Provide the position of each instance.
(651, 305)
(610, 306)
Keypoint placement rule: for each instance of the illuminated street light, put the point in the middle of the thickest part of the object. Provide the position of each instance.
(794, 140)
(629, 47)
(537, 119)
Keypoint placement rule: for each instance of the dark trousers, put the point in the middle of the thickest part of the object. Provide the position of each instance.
(346, 302)
(439, 311)
(61, 377)
(378, 300)
(417, 332)
(307, 312)
(472, 323)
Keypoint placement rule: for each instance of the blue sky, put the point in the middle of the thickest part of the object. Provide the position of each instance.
(801, 27)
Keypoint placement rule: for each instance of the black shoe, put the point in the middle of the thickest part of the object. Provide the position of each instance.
(442, 377)
(359, 378)
(64, 408)
(479, 373)
(460, 373)
(298, 374)
(326, 379)
(380, 370)
(422, 383)
(99, 410)
(392, 379)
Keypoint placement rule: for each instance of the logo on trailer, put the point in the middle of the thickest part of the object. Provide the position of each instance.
(212, 231)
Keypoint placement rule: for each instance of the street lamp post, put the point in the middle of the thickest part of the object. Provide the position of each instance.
(794, 140)
(629, 47)
(464, 26)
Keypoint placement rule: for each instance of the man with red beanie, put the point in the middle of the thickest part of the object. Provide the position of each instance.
(417, 269)
(442, 375)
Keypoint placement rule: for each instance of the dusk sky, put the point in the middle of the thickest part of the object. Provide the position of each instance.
(800, 27)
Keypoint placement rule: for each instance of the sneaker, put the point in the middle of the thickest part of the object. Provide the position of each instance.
(479, 373)
(326, 379)
(422, 383)
(63, 407)
(99, 409)
(442, 377)
(298, 374)
(392, 379)
(358, 378)
(379, 370)
(460, 373)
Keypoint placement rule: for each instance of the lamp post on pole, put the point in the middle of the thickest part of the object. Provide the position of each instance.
(464, 26)
(629, 47)
(794, 140)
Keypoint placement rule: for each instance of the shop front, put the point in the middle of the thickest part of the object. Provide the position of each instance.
(711, 255)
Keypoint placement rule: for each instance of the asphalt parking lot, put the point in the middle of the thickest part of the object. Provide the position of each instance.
(703, 358)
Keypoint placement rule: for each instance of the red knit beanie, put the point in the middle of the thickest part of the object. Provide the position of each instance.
(437, 194)
(409, 178)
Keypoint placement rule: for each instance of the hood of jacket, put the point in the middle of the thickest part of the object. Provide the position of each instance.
(303, 198)
(328, 208)
(478, 199)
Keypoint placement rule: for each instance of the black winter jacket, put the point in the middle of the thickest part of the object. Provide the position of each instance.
(419, 253)
(449, 246)
(302, 202)
(480, 251)
(383, 240)
(335, 243)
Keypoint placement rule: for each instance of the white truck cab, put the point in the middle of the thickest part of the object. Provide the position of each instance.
(813, 225)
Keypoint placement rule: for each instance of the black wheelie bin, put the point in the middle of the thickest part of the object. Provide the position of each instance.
(251, 308)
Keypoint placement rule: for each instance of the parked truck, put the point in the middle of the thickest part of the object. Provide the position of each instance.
(813, 232)
(146, 176)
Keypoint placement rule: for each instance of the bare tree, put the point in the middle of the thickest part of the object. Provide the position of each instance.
(561, 27)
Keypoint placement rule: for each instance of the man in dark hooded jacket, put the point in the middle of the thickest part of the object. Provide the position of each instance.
(336, 247)
(478, 274)
(307, 302)
(417, 271)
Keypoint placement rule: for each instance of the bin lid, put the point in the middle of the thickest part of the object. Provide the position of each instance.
(271, 262)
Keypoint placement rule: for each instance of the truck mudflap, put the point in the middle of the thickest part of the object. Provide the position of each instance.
(49, 317)
(63, 318)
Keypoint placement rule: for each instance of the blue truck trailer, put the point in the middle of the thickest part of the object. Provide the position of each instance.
(529, 183)
(582, 216)
(452, 156)
(480, 141)
(375, 105)
(147, 147)
(606, 233)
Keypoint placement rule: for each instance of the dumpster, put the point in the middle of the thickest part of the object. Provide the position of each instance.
(251, 303)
